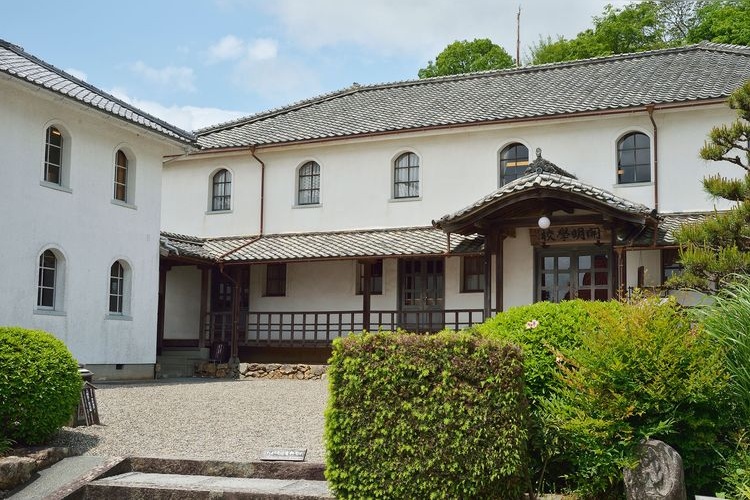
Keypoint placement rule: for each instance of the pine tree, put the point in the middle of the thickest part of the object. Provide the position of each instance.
(718, 247)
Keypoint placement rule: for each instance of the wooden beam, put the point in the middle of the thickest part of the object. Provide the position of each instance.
(161, 305)
(499, 258)
(489, 248)
(205, 275)
(366, 293)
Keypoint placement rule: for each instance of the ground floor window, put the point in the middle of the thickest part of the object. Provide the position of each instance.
(584, 273)
(670, 263)
(276, 280)
(376, 278)
(472, 274)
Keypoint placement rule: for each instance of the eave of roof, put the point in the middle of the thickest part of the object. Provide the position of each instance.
(333, 245)
(701, 73)
(18, 64)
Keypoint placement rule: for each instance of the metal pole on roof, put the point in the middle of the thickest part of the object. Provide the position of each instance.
(518, 37)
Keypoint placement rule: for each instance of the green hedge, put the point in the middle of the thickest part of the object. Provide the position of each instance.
(440, 416)
(39, 385)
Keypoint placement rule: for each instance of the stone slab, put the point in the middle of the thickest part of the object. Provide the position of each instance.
(50, 479)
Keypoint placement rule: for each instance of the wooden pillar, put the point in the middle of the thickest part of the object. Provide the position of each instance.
(204, 324)
(366, 293)
(235, 318)
(499, 272)
(161, 306)
(489, 244)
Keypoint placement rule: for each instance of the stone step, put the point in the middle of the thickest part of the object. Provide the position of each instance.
(157, 486)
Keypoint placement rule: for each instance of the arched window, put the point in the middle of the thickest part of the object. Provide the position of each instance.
(308, 184)
(47, 284)
(53, 156)
(121, 176)
(221, 196)
(116, 288)
(514, 159)
(634, 158)
(406, 176)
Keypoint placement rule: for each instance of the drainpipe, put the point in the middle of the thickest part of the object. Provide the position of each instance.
(262, 189)
(650, 109)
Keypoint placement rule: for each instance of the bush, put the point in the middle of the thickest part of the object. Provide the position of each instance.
(39, 385)
(541, 329)
(644, 371)
(737, 469)
(440, 416)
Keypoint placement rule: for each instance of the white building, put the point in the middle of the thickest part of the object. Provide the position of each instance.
(274, 226)
(80, 200)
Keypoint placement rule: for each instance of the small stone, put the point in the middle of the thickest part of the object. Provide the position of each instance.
(253, 367)
(209, 369)
(287, 369)
(299, 375)
(244, 368)
(272, 367)
(318, 370)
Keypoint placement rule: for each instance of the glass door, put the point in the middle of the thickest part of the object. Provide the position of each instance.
(422, 291)
(568, 274)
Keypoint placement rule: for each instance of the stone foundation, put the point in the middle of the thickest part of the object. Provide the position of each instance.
(18, 468)
(246, 371)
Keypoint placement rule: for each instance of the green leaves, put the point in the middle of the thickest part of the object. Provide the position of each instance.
(439, 416)
(466, 57)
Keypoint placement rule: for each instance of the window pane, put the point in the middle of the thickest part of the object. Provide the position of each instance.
(47, 297)
(584, 279)
(642, 141)
(584, 294)
(563, 262)
(584, 262)
(601, 294)
(549, 263)
(601, 261)
(602, 278)
(53, 155)
(643, 173)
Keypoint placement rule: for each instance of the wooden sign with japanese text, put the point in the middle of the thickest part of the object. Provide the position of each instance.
(584, 234)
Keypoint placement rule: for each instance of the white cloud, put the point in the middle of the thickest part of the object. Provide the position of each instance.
(262, 49)
(181, 77)
(423, 28)
(185, 117)
(228, 48)
(232, 48)
(77, 73)
(279, 80)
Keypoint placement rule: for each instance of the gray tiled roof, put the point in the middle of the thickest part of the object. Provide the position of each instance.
(322, 245)
(554, 182)
(14, 61)
(668, 223)
(698, 72)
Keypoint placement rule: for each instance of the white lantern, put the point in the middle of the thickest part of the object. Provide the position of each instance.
(543, 222)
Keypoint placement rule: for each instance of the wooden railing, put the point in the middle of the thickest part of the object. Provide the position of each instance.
(319, 328)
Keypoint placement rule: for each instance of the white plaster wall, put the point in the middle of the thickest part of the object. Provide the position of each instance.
(651, 262)
(518, 270)
(182, 303)
(457, 167)
(82, 224)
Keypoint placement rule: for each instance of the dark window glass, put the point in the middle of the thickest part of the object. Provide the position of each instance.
(121, 176)
(671, 264)
(634, 158)
(406, 176)
(376, 278)
(47, 280)
(473, 274)
(514, 160)
(116, 287)
(221, 191)
(276, 280)
(53, 156)
(308, 192)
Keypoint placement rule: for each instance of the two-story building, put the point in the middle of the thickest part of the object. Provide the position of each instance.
(80, 203)
(434, 203)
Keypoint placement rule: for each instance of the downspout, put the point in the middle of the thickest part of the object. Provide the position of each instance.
(262, 190)
(650, 109)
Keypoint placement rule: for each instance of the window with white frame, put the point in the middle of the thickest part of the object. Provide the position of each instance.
(406, 176)
(221, 191)
(116, 288)
(634, 158)
(121, 177)
(47, 282)
(308, 184)
(514, 160)
(53, 156)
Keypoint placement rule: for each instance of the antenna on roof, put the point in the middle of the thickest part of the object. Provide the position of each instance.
(518, 37)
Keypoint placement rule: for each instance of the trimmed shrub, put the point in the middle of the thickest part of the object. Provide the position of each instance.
(541, 329)
(39, 385)
(413, 416)
(644, 371)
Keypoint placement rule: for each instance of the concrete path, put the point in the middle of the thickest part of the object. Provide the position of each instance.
(63, 472)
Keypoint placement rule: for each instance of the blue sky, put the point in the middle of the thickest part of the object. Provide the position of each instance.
(196, 63)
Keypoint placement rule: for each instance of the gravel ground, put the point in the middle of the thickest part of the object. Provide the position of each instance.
(204, 419)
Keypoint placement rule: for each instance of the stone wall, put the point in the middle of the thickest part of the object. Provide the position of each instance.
(277, 371)
(259, 370)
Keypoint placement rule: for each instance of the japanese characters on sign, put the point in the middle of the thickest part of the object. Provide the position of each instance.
(588, 234)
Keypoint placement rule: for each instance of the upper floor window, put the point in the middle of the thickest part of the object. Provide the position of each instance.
(514, 159)
(376, 278)
(308, 185)
(634, 158)
(116, 288)
(406, 176)
(47, 280)
(53, 156)
(275, 280)
(221, 194)
(121, 176)
(472, 274)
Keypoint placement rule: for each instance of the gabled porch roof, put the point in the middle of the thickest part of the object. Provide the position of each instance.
(544, 188)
